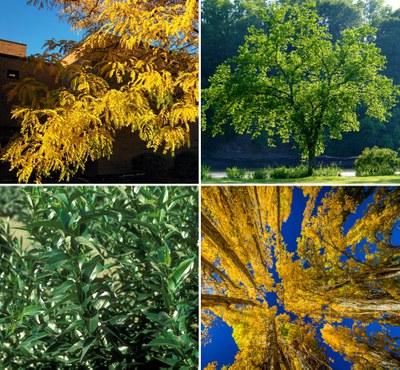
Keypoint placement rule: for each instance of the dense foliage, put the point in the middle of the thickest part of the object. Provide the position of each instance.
(224, 24)
(289, 172)
(377, 161)
(235, 173)
(261, 173)
(136, 68)
(205, 172)
(108, 279)
(294, 172)
(287, 299)
(220, 18)
(292, 81)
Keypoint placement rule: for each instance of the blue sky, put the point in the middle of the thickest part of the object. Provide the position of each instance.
(29, 25)
(222, 347)
(32, 26)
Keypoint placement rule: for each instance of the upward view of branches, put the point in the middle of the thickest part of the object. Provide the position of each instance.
(287, 304)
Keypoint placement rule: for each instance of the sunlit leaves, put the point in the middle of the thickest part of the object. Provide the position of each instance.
(136, 68)
(345, 265)
(290, 80)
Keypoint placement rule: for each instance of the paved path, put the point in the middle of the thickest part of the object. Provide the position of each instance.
(348, 173)
(344, 173)
(222, 174)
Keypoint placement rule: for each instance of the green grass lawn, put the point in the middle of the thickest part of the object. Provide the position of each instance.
(313, 180)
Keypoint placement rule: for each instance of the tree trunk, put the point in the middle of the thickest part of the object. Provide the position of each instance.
(311, 159)
(212, 300)
(222, 244)
(209, 267)
(366, 306)
(368, 310)
(365, 277)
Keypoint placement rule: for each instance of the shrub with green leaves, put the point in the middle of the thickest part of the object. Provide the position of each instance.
(377, 162)
(205, 172)
(108, 280)
(289, 172)
(235, 173)
(329, 170)
(261, 173)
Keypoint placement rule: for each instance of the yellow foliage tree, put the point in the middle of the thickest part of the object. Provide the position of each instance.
(241, 232)
(358, 285)
(137, 67)
(327, 278)
(365, 351)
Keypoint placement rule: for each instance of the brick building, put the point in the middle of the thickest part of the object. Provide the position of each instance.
(131, 160)
(12, 56)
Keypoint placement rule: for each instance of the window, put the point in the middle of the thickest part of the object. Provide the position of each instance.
(13, 74)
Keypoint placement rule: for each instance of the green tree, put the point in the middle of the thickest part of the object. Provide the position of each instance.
(224, 25)
(375, 11)
(290, 80)
(386, 39)
(339, 15)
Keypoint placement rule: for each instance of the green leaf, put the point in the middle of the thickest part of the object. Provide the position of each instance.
(161, 317)
(62, 197)
(33, 339)
(64, 217)
(167, 340)
(86, 346)
(164, 254)
(144, 296)
(31, 310)
(85, 241)
(55, 259)
(166, 195)
(181, 272)
(63, 288)
(92, 323)
(89, 267)
(172, 361)
(53, 224)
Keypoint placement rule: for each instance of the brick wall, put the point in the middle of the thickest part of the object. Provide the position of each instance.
(12, 48)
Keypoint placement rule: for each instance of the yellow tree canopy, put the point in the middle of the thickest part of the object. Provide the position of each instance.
(344, 265)
(365, 351)
(137, 67)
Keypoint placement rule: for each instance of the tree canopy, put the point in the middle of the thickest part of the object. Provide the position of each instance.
(287, 303)
(337, 15)
(137, 67)
(289, 79)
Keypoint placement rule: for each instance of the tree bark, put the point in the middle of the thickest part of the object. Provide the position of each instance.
(366, 306)
(311, 160)
(212, 300)
(219, 241)
(208, 266)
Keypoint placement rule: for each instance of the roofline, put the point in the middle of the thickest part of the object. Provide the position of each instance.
(14, 42)
(11, 56)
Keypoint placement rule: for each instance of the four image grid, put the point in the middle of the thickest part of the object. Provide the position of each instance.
(204, 184)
